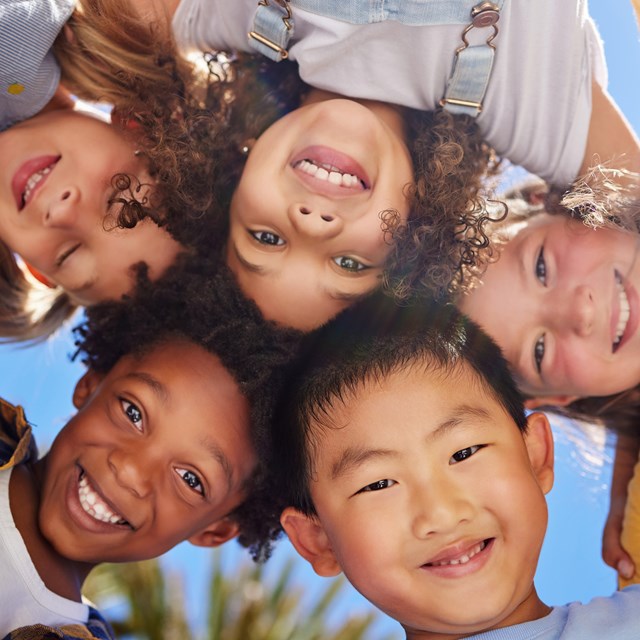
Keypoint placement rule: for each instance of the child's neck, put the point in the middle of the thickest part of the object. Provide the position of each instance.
(60, 575)
(531, 608)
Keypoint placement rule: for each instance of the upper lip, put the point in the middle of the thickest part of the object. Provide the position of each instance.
(24, 172)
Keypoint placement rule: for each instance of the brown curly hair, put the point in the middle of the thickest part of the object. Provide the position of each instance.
(176, 112)
(445, 231)
(197, 300)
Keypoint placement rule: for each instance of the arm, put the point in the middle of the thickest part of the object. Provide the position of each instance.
(612, 551)
(611, 139)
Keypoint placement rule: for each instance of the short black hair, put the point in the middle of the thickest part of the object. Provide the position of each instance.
(199, 301)
(371, 341)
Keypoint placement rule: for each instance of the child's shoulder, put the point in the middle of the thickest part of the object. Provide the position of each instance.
(16, 441)
(616, 617)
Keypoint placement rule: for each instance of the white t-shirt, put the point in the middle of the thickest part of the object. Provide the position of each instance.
(538, 103)
(24, 598)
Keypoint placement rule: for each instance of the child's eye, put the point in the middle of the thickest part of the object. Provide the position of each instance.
(350, 264)
(267, 237)
(191, 480)
(541, 267)
(134, 415)
(538, 352)
(465, 453)
(379, 485)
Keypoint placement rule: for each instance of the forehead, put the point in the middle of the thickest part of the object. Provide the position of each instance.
(408, 404)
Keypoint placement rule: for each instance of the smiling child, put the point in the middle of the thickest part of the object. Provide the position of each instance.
(168, 445)
(571, 333)
(412, 468)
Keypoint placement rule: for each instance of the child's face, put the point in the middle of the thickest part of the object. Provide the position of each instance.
(562, 302)
(56, 173)
(306, 235)
(431, 501)
(158, 452)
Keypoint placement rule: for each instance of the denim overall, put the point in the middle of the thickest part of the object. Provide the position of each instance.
(274, 25)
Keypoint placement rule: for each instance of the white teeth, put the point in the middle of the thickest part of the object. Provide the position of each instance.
(329, 173)
(623, 317)
(93, 504)
(463, 559)
(33, 181)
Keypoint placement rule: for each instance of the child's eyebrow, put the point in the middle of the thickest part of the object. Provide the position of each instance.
(254, 268)
(219, 455)
(353, 457)
(153, 383)
(460, 414)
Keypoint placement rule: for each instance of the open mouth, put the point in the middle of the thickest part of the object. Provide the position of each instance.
(94, 505)
(463, 558)
(330, 173)
(30, 176)
(624, 314)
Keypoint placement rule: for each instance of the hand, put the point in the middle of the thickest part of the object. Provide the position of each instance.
(612, 552)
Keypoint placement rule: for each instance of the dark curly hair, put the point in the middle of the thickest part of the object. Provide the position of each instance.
(198, 300)
(445, 232)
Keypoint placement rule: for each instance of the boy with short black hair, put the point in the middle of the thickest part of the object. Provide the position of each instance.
(408, 463)
(168, 445)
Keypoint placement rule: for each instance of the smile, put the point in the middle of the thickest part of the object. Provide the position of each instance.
(625, 312)
(462, 559)
(30, 177)
(331, 174)
(93, 504)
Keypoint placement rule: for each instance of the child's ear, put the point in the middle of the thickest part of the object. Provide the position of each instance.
(549, 401)
(216, 534)
(85, 387)
(539, 442)
(308, 537)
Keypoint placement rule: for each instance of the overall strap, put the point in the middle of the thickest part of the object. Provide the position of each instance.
(472, 65)
(272, 29)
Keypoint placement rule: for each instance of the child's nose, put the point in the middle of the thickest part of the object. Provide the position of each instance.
(130, 471)
(576, 312)
(440, 509)
(315, 221)
(63, 210)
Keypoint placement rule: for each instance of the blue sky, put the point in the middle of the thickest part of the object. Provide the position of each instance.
(41, 378)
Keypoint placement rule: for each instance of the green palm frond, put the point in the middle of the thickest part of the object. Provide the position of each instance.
(241, 604)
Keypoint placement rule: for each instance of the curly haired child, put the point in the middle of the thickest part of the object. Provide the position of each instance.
(438, 523)
(408, 210)
(121, 482)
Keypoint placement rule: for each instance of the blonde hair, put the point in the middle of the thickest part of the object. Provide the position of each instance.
(106, 51)
(29, 311)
